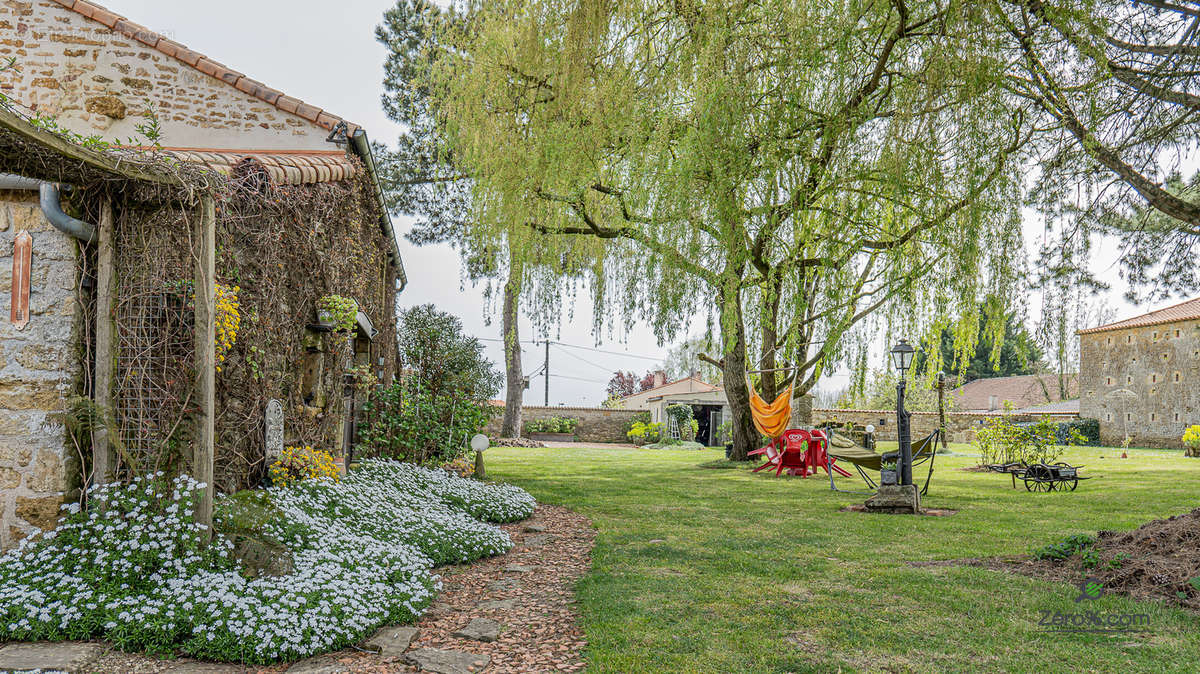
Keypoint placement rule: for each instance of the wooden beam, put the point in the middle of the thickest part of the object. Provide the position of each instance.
(205, 240)
(103, 457)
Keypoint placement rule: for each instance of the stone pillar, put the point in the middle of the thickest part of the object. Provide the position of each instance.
(802, 411)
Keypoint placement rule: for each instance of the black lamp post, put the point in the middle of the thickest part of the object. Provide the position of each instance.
(902, 357)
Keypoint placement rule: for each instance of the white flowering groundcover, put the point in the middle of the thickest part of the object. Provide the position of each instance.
(132, 568)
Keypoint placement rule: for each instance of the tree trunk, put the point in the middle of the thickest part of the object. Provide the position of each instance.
(745, 435)
(769, 320)
(515, 380)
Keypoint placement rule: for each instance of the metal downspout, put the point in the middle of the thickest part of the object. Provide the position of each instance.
(50, 200)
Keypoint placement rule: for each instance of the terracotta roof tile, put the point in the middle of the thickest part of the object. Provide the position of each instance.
(1022, 391)
(288, 104)
(285, 168)
(1184, 311)
(204, 64)
(178, 51)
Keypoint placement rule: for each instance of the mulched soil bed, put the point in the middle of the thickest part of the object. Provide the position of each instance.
(540, 633)
(1158, 561)
(517, 442)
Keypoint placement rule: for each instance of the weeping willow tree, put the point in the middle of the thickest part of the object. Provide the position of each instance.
(422, 179)
(793, 169)
(1114, 86)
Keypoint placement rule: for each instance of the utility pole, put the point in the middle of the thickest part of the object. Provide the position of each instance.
(546, 367)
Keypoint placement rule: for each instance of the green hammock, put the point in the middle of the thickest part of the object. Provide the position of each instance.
(923, 450)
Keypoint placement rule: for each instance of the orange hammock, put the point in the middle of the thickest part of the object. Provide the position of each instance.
(771, 419)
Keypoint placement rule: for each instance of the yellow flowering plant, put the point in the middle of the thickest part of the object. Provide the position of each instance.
(1191, 440)
(296, 464)
(228, 319)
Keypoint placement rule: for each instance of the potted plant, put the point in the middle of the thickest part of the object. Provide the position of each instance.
(337, 313)
(887, 473)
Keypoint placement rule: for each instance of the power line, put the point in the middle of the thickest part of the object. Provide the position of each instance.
(578, 346)
(564, 376)
(584, 360)
(613, 353)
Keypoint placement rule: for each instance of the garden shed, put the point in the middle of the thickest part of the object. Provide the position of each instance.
(199, 269)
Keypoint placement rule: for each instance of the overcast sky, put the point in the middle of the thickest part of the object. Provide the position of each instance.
(326, 54)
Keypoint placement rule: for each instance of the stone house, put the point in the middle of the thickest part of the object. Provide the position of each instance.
(1139, 376)
(168, 227)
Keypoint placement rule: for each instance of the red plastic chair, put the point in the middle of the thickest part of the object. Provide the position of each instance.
(799, 452)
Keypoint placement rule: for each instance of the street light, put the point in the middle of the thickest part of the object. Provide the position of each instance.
(902, 358)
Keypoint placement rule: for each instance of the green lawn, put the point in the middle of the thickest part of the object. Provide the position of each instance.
(763, 574)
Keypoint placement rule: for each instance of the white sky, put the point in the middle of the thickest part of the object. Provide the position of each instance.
(326, 55)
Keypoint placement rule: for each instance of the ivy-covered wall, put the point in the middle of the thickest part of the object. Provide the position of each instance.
(279, 251)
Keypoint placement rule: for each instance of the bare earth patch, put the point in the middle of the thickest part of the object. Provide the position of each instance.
(928, 512)
(529, 592)
(1159, 560)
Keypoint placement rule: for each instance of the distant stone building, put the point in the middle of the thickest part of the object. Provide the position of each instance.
(1139, 376)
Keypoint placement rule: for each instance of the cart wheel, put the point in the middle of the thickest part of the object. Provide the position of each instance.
(1074, 483)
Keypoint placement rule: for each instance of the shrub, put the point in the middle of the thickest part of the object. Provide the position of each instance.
(552, 425)
(407, 422)
(688, 431)
(1002, 441)
(133, 570)
(302, 463)
(1069, 546)
(1078, 432)
(1191, 440)
(645, 434)
(442, 399)
(682, 414)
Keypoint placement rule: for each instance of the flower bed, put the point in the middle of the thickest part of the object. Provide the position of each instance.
(134, 571)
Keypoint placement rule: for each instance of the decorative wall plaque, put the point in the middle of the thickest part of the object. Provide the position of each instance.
(274, 423)
(22, 262)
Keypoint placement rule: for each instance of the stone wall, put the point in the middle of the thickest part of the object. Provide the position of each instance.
(596, 424)
(1159, 365)
(960, 426)
(39, 368)
(95, 81)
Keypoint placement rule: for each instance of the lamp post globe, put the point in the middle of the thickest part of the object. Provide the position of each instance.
(902, 356)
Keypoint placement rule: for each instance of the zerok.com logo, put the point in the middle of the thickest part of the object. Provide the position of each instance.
(1091, 589)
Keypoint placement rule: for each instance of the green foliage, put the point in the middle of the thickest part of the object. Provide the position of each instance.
(552, 425)
(684, 358)
(1015, 352)
(1079, 432)
(1000, 440)
(1191, 440)
(442, 399)
(407, 422)
(680, 413)
(1069, 546)
(879, 393)
(343, 311)
(645, 433)
(740, 158)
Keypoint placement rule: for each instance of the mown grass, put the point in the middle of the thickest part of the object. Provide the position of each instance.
(764, 574)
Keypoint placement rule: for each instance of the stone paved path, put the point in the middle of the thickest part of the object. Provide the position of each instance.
(514, 613)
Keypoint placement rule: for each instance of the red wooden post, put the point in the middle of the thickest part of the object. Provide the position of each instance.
(22, 262)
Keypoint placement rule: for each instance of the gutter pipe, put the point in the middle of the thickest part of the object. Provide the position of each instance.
(362, 147)
(50, 200)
